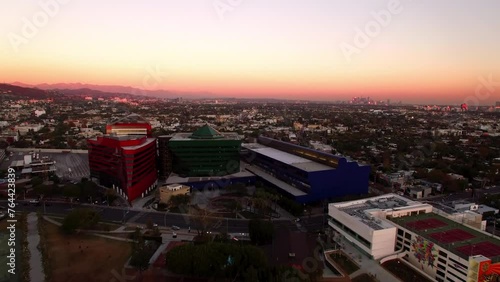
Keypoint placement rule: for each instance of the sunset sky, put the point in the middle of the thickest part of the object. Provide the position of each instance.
(427, 52)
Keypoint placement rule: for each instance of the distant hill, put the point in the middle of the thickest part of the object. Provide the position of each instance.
(24, 91)
(36, 93)
(116, 89)
(99, 94)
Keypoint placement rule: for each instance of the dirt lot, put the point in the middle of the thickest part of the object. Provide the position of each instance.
(85, 257)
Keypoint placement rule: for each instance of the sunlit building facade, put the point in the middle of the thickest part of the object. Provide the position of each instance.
(132, 124)
(125, 163)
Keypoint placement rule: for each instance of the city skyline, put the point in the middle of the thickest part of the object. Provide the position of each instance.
(417, 52)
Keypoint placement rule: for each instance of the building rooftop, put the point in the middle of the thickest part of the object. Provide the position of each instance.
(120, 137)
(132, 118)
(187, 136)
(286, 158)
(206, 132)
(362, 209)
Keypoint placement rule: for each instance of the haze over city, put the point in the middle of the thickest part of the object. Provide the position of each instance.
(420, 52)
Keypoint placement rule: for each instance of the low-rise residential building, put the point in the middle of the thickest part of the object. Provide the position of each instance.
(164, 193)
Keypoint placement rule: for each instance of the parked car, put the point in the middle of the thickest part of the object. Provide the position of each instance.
(174, 227)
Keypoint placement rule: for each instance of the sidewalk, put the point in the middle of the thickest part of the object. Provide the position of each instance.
(139, 203)
(36, 267)
(284, 214)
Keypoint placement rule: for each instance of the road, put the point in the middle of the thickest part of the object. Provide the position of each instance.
(314, 223)
(479, 193)
(124, 215)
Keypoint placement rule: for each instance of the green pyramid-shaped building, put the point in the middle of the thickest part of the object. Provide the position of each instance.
(205, 152)
(206, 132)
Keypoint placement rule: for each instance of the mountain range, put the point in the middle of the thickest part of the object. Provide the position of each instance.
(161, 93)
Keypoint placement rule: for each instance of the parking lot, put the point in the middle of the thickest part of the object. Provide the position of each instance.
(71, 166)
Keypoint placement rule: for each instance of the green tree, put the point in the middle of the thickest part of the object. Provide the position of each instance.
(251, 274)
(55, 178)
(203, 219)
(87, 188)
(80, 219)
(149, 224)
(71, 190)
(111, 195)
(43, 189)
(155, 231)
(217, 261)
(142, 251)
(141, 254)
(178, 200)
(35, 181)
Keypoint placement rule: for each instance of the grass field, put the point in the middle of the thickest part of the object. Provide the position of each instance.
(84, 257)
(102, 226)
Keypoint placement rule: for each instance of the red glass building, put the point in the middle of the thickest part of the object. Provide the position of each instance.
(125, 163)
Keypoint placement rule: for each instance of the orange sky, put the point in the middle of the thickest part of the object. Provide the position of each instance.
(427, 53)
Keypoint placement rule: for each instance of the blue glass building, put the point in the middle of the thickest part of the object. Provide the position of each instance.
(304, 174)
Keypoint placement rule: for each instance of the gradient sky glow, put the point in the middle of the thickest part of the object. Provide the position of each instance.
(431, 52)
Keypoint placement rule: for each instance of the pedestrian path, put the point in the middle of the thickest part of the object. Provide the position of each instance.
(366, 264)
(52, 221)
(158, 252)
(36, 267)
(139, 203)
(119, 229)
(284, 214)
